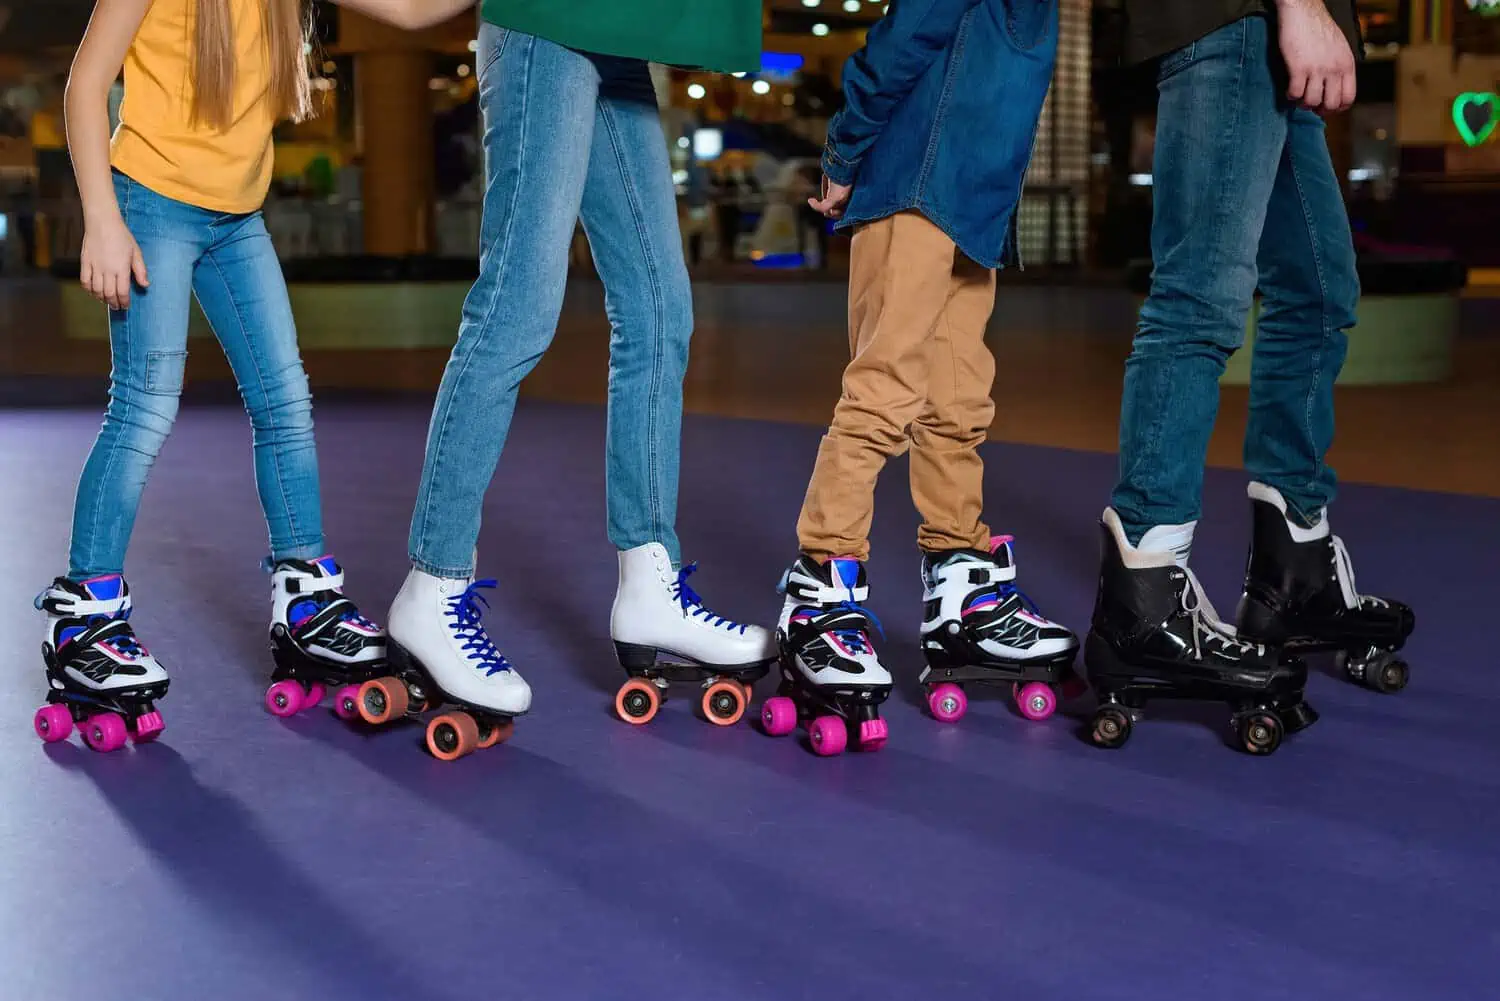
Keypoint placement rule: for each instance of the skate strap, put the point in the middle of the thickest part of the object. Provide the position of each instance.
(335, 611)
(62, 603)
(833, 594)
(115, 633)
(315, 585)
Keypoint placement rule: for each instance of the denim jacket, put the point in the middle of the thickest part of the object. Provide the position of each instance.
(940, 116)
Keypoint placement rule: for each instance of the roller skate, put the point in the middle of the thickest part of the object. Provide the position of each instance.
(319, 640)
(1156, 636)
(978, 627)
(831, 677)
(438, 653)
(99, 676)
(664, 635)
(1299, 593)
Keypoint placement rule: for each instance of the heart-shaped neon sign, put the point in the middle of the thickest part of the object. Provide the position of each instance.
(1476, 115)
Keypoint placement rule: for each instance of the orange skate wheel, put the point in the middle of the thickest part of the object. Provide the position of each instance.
(724, 703)
(382, 700)
(452, 735)
(637, 701)
(749, 687)
(499, 732)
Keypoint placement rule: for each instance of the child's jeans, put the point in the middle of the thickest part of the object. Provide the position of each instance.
(228, 263)
(920, 380)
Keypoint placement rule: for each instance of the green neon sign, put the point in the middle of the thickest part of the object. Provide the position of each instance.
(1476, 115)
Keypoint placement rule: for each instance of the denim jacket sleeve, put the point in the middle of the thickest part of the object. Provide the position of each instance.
(897, 51)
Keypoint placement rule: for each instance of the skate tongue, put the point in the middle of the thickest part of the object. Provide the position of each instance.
(1002, 550)
(324, 566)
(106, 588)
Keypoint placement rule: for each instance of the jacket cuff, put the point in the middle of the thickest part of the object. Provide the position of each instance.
(838, 169)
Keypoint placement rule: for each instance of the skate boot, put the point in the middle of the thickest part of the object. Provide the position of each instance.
(319, 640)
(978, 627)
(99, 676)
(830, 674)
(1156, 636)
(439, 654)
(663, 635)
(1299, 592)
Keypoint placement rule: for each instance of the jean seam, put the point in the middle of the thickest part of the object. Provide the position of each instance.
(502, 254)
(1321, 272)
(434, 570)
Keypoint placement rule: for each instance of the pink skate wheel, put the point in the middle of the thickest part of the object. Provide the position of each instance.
(947, 702)
(104, 733)
(314, 695)
(148, 726)
(1036, 701)
(284, 699)
(872, 734)
(53, 723)
(829, 736)
(778, 716)
(346, 703)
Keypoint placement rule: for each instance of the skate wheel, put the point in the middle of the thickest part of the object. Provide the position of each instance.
(1388, 678)
(105, 732)
(53, 723)
(452, 735)
(829, 736)
(346, 703)
(148, 726)
(1036, 700)
(947, 702)
(313, 696)
(778, 716)
(748, 687)
(1110, 728)
(492, 732)
(1260, 733)
(382, 700)
(284, 699)
(873, 734)
(724, 703)
(637, 701)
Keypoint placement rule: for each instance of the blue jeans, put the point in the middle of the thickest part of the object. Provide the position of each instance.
(565, 134)
(1245, 195)
(228, 262)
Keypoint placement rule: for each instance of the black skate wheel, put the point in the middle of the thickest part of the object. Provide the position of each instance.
(1260, 733)
(1110, 728)
(1387, 677)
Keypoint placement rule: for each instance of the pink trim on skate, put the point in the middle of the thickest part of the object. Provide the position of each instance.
(996, 541)
(982, 606)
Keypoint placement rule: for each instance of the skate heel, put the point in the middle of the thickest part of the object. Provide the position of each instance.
(635, 657)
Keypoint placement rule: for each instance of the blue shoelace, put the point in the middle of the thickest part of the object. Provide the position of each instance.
(467, 609)
(855, 639)
(693, 605)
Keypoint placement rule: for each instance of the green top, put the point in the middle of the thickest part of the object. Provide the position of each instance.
(723, 35)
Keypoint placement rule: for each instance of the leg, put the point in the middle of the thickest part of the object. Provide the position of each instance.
(630, 215)
(901, 269)
(947, 473)
(148, 347)
(1309, 288)
(1220, 131)
(242, 292)
(538, 100)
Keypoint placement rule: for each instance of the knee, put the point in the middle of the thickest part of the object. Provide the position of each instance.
(1179, 317)
(141, 418)
(281, 404)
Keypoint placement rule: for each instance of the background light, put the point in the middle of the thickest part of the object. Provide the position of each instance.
(761, 87)
(820, 29)
(696, 91)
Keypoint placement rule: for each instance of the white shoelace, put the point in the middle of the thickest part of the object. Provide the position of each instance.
(1206, 621)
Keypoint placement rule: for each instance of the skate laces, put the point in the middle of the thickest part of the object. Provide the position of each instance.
(1206, 622)
(856, 639)
(1343, 569)
(693, 605)
(467, 609)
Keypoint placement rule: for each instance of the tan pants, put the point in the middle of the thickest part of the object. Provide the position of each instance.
(919, 379)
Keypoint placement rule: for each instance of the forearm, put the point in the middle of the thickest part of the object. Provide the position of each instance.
(410, 15)
(86, 111)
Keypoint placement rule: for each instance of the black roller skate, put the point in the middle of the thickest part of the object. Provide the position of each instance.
(319, 640)
(1299, 593)
(831, 677)
(1156, 636)
(99, 675)
(978, 627)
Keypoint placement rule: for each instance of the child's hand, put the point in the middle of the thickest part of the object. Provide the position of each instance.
(110, 259)
(835, 199)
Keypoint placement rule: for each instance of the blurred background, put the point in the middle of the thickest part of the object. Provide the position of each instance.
(376, 204)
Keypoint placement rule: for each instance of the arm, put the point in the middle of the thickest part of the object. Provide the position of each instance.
(110, 256)
(898, 50)
(411, 15)
(1317, 55)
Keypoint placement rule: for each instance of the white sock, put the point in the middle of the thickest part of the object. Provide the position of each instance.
(1270, 495)
(1174, 539)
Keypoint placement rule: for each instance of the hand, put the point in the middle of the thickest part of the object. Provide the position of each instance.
(110, 259)
(835, 199)
(1318, 56)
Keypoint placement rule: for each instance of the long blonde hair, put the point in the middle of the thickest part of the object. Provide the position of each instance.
(286, 28)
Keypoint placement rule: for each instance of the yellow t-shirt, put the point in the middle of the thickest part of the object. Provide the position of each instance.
(157, 142)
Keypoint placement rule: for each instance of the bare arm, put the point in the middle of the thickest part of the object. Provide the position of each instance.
(110, 256)
(411, 15)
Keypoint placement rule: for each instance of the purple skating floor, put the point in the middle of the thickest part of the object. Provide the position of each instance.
(244, 857)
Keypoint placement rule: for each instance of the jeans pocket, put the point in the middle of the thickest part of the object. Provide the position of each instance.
(1029, 22)
(1175, 61)
(492, 40)
(164, 372)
